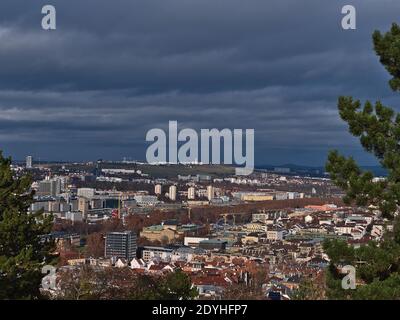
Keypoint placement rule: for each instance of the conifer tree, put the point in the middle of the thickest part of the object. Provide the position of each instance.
(378, 128)
(23, 250)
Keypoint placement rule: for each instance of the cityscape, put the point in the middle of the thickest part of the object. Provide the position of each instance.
(225, 232)
(199, 158)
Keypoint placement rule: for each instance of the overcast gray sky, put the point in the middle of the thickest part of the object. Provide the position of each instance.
(114, 69)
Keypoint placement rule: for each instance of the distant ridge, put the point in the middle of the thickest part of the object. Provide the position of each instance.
(317, 170)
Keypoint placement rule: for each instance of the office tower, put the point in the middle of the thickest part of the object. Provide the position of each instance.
(172, 193)
(29, 162)
(121, 245)
(157, 189)
(210, 193)
(191, 193)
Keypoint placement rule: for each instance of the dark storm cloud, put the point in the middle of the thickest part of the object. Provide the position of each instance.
(114, 69)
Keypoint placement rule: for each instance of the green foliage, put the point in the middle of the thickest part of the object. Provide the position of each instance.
(146, 288)
(378, 129)
(22, 253)
(338, 251)
(174, 286)
(387, 48)
(177, 286)
(388, 289)
(376, 266)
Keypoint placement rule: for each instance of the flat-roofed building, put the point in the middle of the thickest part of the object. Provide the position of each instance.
(193, 241)
(213, 244)
(121, 245)
(157, 189)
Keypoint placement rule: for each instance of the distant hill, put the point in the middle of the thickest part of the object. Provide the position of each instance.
(313, 171)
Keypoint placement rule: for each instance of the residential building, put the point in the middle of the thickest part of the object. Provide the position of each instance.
(191, 193)
(157, 189)
(275, 234)
(120, 245)
(172, 192)
(210, 193)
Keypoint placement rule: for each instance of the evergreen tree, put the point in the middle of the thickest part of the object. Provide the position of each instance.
(22, 250)
(177, 286)
(378, 128)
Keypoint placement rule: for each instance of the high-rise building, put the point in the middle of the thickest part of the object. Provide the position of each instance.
(191, 193)
(172, 192)
(44, 188)
(29, 162)
(83, 205)
(121, 245)
(157, 189)
(210, 193)
(55, 187)
(49, 187)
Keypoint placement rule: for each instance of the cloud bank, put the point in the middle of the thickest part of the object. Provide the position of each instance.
(114, 69)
